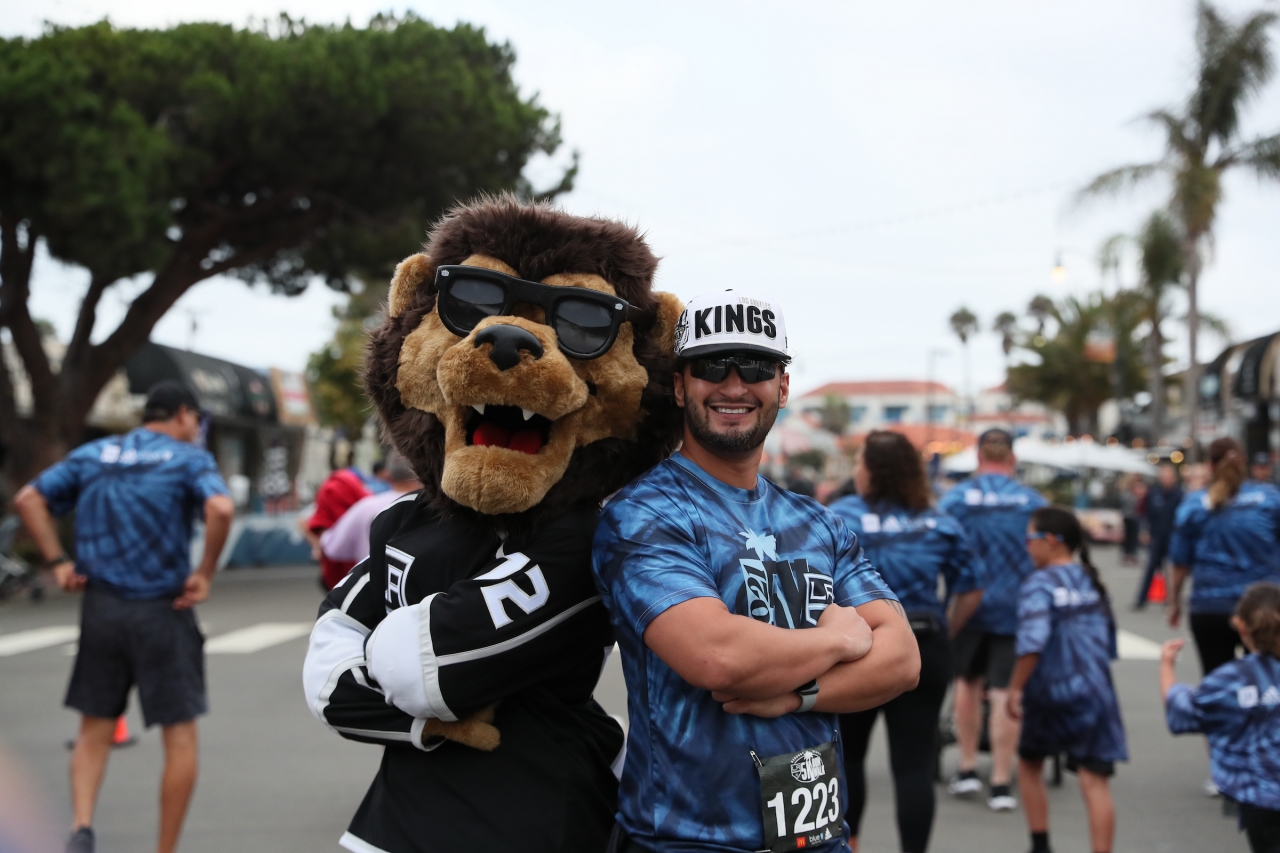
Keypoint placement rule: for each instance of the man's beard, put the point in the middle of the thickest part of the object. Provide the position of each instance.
(735, 442)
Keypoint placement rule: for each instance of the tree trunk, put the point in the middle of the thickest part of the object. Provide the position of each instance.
(61, 401)
(1191, 380)
(1155, 381)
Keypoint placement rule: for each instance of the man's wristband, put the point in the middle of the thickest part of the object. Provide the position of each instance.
(808, 696)
(57, 561)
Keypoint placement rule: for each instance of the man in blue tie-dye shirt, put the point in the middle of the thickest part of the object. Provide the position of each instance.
(135, 497)
(993, 508)
(747, 616)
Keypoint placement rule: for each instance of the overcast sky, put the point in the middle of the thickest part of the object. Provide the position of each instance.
(874, 166)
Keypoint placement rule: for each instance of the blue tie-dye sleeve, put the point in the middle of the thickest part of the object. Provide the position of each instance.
(60, 484)
(1214, 705)
(1180, 711)
(206, 480)
(647, 559)
(1187, 522)
(856, 580)
(1035, 615)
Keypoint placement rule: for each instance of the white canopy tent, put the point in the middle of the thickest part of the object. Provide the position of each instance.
(1075, 455)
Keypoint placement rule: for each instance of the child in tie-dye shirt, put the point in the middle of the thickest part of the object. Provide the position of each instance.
(1238, 707)
(1061, 686)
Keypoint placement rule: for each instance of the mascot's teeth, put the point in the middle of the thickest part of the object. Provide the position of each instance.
(528, 413)
(479, 407)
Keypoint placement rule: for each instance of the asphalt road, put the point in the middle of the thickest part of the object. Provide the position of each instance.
(274, 779)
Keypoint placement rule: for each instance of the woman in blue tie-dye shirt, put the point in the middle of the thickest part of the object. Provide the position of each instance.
(1238, 707)
(1061, 686)
(911, 544)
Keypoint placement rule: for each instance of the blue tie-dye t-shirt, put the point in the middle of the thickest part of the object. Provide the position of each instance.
(1229, 548)
(676, 534)
(910, 549)
(1069, 702)
(1238, 707)
(994, 510)
(135, 496)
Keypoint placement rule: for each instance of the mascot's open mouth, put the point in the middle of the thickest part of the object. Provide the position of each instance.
(506, 426)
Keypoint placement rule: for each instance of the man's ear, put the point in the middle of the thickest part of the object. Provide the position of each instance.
(677, 388)
(784, 389)
(663, 332)
(410, 274)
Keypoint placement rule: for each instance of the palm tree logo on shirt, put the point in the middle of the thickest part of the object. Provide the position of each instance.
(764, 546)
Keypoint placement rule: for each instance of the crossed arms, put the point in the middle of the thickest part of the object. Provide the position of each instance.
(861, 656)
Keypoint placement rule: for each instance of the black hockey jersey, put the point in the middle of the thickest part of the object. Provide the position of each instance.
(445, 618)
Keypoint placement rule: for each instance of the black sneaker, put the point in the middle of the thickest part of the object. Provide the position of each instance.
(1001, 799)
(81, 841)
(964, 783)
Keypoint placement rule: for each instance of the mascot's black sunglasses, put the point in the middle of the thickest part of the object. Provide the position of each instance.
(585, 321)
(751, 369)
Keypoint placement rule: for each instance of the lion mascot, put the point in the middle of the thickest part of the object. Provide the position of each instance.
(524, 369)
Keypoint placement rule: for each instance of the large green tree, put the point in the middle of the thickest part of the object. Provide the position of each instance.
(1202, 142)
(1064, 371)
(279, 155)
(334, 372)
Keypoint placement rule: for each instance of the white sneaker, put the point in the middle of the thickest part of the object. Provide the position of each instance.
(1210, 789)
(963, 784)
(1001, 800)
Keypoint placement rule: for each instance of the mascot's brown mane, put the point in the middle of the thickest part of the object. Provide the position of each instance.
(539, 243)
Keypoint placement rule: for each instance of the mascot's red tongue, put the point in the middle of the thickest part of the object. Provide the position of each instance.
(493, 435)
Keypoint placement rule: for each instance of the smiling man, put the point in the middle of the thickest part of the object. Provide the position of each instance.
(747, 616)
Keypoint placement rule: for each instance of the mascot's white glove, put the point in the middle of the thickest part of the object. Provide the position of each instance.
(402, 660)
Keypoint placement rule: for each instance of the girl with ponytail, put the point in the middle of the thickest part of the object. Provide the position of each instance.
(1225, 537)
(1061, 687)
(1238, 707)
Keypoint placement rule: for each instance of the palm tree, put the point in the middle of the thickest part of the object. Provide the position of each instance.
(1039, 309)
(1005, 325)
(1063, 376)
(1160, 269)
(1202, 142)
(964, 323)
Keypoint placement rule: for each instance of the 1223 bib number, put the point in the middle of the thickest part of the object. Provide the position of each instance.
(800, 798)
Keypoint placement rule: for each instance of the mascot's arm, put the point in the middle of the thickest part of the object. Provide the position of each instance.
(525, 618)
(339, 691)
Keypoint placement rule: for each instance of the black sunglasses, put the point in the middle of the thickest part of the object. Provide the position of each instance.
(751, 368)
(586, 321)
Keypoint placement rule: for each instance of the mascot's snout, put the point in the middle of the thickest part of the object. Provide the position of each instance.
(507, 344)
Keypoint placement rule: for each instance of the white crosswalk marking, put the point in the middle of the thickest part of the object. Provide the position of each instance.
(255, 638)
(37, 638)
(1133, 647)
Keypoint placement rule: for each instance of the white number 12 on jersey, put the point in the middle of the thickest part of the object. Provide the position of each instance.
(528, 602)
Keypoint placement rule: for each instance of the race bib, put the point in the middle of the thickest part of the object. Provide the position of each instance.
(800, 798)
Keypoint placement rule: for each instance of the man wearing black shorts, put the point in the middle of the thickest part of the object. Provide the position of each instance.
(993, 508)
(135, 496)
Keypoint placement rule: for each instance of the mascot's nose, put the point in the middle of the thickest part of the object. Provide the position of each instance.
(508, 342)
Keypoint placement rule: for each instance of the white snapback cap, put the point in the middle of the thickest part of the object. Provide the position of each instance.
(731, 321)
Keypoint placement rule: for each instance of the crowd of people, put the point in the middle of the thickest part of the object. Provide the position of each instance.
(705, 568)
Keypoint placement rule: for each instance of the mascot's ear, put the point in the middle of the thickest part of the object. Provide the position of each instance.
(410, 274)
(663, 332)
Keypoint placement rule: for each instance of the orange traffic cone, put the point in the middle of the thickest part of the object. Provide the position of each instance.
(1156, 594)
(122, 736)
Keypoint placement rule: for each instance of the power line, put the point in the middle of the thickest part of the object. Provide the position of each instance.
(883, 222)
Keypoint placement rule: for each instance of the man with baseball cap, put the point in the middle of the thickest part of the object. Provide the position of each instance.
(993, 508)
(747, 616)
(135, 497)
(1260, 469)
